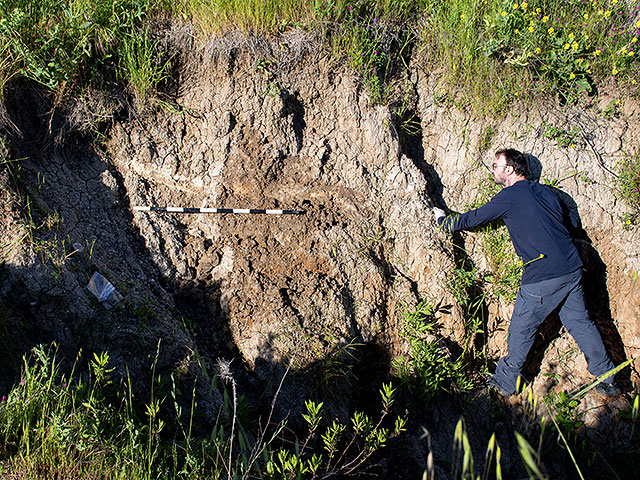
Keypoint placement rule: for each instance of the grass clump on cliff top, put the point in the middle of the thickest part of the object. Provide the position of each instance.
(487, 52)
(63, 44)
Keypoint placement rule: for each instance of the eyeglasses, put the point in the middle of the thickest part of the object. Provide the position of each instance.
(495, 165)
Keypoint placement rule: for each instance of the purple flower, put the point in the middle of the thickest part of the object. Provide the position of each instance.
(4, 398)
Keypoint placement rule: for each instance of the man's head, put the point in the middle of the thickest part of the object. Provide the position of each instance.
(510, 166)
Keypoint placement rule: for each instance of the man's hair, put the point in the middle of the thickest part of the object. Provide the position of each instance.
(515, 159)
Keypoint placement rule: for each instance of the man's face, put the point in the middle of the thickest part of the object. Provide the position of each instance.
(498, 170)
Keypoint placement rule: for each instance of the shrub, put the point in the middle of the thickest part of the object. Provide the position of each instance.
(427, 368)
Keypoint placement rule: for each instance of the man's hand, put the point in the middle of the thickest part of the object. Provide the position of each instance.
(438, 213)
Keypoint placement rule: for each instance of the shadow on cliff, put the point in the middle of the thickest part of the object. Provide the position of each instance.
(408, 126)
(76, 214)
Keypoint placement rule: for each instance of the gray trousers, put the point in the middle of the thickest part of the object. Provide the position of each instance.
(534, 303)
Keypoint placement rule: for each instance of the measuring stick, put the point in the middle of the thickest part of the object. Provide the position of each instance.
(139, 208)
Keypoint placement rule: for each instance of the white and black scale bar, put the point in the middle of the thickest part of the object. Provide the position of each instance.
(216, 210)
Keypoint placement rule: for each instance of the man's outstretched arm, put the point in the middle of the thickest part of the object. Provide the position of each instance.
(490, 211)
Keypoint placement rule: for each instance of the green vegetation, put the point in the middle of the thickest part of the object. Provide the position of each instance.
(64, 427)
(62, 45)
(80, 426)
(565, 46)
(487, 54)
(427, 368)
(492, 52)
(85, 424)
(502, 276)
(563, 138)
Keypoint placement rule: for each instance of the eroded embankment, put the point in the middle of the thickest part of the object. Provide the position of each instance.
(271, 289)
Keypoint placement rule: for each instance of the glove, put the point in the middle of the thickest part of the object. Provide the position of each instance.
(438, 213)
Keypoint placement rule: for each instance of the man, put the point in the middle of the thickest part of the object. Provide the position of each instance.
(552, 270)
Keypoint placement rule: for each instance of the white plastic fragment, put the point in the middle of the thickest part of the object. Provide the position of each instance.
(104, 291)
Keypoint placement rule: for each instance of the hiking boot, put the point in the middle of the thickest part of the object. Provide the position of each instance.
(608, 390)
(493, 384)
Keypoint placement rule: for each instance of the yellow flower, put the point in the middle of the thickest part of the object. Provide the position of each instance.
(571, 35)
(551, 30)
(575, 45)
(614, 2)
(531, 29)
(567, 46)
(545, 19)
(607, 13)
(614, 71)
(524, 5)
(631, 54)
(634, 39)
(517, 31)
(538, 10)
(589, 71)
(600, 12)
(573, 75)
(573, 145)
(623, 51)
(515, 6)
(538, 50)
(638, 24)
(586, 16)
(504, 14)
(597, 52)
(633, 82)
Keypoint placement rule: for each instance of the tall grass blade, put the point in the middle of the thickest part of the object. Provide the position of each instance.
(599, 379)
(530, 458)
(566, 444)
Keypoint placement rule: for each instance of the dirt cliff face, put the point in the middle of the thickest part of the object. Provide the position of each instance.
(290, 288)
(287, 286)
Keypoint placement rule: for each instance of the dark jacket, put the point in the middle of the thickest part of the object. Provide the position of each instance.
(538, 223)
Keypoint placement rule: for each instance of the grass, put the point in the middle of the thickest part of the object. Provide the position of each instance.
(56, 426)
(487, 54)
(491, 52)
(61, 44)
(84, 424)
